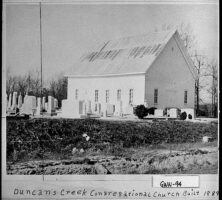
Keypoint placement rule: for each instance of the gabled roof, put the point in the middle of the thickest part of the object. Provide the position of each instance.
(129, 55)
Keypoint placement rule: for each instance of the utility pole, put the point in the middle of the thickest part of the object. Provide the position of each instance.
(40, 24)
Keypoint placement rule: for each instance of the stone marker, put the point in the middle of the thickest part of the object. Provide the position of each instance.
(109, 109)
(206, 139)
(29, 105)
(55, 103)
(6, 102)
(43, 102)
(50, 109)
(10, 101)
(119, 108)
(72, 108)
(20, 101)
(39, 106)
(129, 110)
(88, 107)
(173, 112)
(80, 106)
(84, 108)
(101, 169)
(158, 113)
(46, 106)
(14, 98)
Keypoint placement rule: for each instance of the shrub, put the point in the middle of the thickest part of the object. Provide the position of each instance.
(41, 137)
(151, 110)
(140, 111)
(189, 116)
(183, 115)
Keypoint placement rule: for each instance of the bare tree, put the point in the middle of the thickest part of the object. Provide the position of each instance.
(23, 83)
(200, 64)
(58, 88)
(199, 61)
(212, 72)
(188, 37)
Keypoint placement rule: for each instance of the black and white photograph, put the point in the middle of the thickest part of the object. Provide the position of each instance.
(111, 89)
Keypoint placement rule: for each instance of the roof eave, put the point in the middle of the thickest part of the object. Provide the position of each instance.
(105, 75)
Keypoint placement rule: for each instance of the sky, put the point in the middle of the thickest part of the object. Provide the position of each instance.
(69, 30)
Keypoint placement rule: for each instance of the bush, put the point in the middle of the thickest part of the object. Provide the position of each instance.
(151, 110)
(52, 136)
(140, 111)
(189, 116)
(183, 115)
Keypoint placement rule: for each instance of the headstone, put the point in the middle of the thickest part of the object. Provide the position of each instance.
(50, 109)
(88, 107)
(173, 112)
(14, 98)
(72, 109)
(206, 139)
(99, 108)
(84, 108)
(29, 105)
(10, 101)
(46, 106)
(119, 108)
(158, 113)
(80, 106)
(39, 106)
(6, 102)
(43, 102)
(109, 109)
(55, 103)
(20, 101)
(128, 110)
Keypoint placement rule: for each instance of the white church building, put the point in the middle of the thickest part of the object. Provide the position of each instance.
(152, 69)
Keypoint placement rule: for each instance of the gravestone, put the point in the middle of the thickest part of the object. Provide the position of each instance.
(29, 105)
(50, 109)
(158, 113)
(46, 106)
(109, 109)
(72, 109)
(14, 99)
(55, 103)
(173, 112)
(10, 101)
(39, 106)
(43, 102)
(20, 101)
(88, 107)
(119, 108)
(80, 106)
(98, 108)
(6, 102)
(128, 110)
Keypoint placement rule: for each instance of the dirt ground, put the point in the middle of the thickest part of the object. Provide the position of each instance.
(194, 159)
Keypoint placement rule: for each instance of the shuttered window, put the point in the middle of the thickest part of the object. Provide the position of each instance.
(155, 96)
(118, 95)
(130, 96)
(96, 95)
(107, 96)
(76, 94)
(185, 96)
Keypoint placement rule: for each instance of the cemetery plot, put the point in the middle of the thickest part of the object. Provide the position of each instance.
(117, 146)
